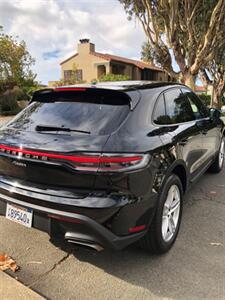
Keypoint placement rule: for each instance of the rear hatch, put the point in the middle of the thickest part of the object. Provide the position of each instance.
(58, 139)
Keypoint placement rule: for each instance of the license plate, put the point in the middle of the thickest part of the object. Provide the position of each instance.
(19, 214)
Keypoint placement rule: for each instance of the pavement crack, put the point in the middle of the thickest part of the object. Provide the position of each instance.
(40, 277)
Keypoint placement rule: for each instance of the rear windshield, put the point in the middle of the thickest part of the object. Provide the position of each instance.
(96, 118)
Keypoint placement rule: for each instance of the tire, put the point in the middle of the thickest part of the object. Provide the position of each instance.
(156, 240)
(217, 164)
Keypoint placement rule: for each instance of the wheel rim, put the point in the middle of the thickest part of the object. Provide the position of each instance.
(171, 213)
(221, 154)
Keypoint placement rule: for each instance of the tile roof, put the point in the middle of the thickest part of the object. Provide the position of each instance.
(64, 61)
(110, 57)
(137, 63)
(200, 88)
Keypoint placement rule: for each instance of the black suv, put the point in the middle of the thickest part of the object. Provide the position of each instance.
(106, 165)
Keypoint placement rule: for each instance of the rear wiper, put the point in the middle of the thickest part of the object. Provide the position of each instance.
(55, 128)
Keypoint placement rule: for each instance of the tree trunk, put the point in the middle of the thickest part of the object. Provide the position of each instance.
(217, 96)
(215, 99)
(189, 80)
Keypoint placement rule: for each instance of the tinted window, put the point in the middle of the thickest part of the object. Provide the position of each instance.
(195, 108)
(160, 112)
(199, 109)
(94, 117)
(178, 108)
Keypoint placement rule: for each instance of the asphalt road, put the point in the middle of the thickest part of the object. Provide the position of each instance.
(193, 269)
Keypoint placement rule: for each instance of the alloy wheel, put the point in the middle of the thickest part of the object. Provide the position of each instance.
(171, 213)
(221, 154)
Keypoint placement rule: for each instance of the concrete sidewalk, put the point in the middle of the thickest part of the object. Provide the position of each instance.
(11, 289)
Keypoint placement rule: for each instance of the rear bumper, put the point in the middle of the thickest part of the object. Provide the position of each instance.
(72, 227)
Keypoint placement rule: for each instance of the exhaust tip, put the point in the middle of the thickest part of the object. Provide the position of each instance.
(89, 245)
(83, 240)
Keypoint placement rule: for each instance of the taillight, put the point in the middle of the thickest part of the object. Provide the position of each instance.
(113, 162)
(109, 162)
(96, 162)
(72, 89)
(122, 162)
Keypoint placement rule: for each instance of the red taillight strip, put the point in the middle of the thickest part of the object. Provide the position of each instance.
(69, 89)
(78, 159)
(111, 159)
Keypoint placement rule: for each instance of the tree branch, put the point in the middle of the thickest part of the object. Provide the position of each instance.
(205, 49)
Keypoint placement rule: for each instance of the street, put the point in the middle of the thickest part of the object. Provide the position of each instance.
(193, 269)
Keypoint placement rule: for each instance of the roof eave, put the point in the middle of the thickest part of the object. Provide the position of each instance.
(67, 59)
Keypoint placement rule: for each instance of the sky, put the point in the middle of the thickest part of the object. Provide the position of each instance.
(52, 29)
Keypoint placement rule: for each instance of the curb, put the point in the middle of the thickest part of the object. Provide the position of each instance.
(11, 289)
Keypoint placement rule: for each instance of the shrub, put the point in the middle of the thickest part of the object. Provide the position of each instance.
(67, 82)
(8, 102)
(206, 99)
(114, 77)
(29, 91)
(18, 93)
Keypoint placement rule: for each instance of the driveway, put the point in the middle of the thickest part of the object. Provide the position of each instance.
(193, 269)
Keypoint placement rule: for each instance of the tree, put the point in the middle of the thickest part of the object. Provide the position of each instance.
(147, 53)
(15, 63)
(189, 29)
(214, 74)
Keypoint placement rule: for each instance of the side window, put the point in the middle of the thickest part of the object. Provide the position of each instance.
(198, 108)
(160, 112)
(178, 108)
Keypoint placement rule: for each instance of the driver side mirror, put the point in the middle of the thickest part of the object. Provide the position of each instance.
(214, 114)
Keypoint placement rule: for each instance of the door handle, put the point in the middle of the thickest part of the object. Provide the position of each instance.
(183, 142)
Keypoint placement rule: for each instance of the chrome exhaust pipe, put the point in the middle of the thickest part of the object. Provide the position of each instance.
(93, 246)
(82, 239)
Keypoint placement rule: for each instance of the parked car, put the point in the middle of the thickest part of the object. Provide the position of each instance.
(107, 165)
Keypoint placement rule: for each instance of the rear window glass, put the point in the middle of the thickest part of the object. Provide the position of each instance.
(96, 118)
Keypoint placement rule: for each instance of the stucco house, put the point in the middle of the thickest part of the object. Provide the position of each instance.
(204, 90)
(90, 65)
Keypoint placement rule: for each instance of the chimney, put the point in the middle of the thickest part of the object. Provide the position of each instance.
(85, 47)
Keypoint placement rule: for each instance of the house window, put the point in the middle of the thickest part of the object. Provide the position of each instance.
(148, 74)
(68, 74)
(76, 75)
(118, 69)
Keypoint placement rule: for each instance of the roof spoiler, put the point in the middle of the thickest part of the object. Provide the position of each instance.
(88, 95)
